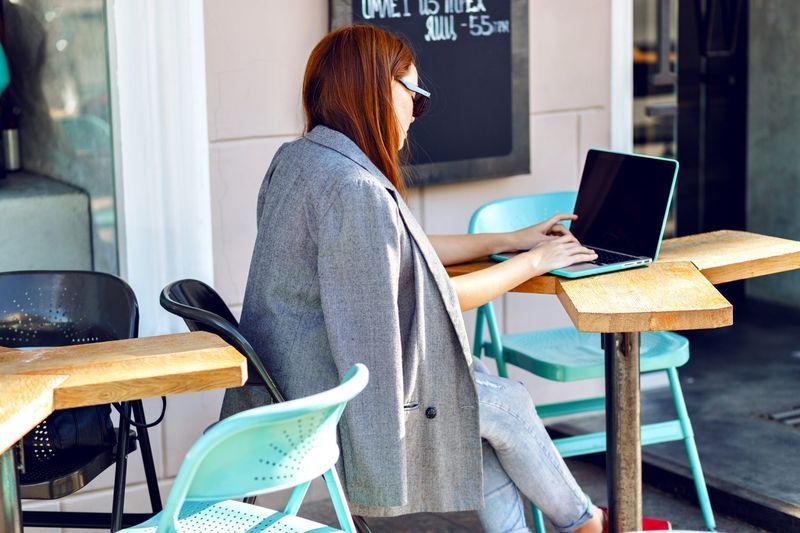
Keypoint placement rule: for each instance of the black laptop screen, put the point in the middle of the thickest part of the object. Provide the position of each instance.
(622, 202)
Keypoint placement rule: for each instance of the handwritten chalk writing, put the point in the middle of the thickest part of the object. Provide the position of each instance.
(441, 23)
(464, 6)
(429, 7)
(383, 9)
(440, 28)
(483, 26)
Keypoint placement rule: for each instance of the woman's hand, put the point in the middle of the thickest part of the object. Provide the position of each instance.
(550, 229)
(558, 252)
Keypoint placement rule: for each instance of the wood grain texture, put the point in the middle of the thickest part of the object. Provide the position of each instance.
(663, 296)
(104, 372)
(726, 255)
(135, 368)
(721, 256)
(24, 402)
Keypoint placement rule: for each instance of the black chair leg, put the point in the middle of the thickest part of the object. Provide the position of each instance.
(147, 457)
(361, 524)
(121, 467)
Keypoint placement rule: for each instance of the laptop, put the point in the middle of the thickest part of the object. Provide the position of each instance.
(622, 207)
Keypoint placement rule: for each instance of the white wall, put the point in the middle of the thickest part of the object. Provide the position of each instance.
(256, 53)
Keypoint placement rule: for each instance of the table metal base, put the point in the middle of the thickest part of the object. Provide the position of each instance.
(623, 432)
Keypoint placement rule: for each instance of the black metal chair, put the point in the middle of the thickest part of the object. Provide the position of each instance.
(204, 310)
(60, 308)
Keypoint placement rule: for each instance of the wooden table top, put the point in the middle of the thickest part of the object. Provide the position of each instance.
(662, 296)
(35, 382)
(674, 293)
(726, 255)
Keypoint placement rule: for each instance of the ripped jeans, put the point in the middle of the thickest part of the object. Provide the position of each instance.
(519, 456)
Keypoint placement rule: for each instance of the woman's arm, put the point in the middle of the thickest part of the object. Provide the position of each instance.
(477, 288)
(455, 249)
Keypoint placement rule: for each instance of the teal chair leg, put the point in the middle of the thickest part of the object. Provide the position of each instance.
(538, 519)
(339, 501)
(477, 348)
(497, 343)
(691, 450)
(296, 499)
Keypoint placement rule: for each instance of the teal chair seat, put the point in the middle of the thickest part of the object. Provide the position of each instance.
(569, 355)
(267, 449)
(233, 516)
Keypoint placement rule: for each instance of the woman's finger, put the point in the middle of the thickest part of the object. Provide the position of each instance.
(555, 219)
(560, 229)
(584, 258)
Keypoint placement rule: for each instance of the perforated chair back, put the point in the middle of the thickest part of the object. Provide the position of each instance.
(202, 309)
(264, 449)
(60, 308)
(509, 214)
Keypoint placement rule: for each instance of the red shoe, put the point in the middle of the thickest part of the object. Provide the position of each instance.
(648, 524)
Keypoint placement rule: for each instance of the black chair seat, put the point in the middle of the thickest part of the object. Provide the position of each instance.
(68, 472)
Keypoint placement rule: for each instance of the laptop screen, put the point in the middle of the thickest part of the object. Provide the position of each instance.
(623, 201)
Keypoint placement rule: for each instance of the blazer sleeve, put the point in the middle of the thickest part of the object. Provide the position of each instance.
(359, 270)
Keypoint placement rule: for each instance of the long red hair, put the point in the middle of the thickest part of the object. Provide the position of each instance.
(348, 87)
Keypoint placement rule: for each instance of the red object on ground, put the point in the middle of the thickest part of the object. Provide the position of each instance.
(648, 524)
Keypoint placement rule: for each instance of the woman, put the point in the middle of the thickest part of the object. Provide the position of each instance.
(342, 273)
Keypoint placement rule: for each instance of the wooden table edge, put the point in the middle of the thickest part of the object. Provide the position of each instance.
(30, 415)
(125, 389)
(751, 269)
(646, 321)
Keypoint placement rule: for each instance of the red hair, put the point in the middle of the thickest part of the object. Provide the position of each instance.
(348, 87)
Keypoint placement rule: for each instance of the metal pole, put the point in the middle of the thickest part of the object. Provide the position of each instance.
(623, 432)
(664, 76)
(11, 521)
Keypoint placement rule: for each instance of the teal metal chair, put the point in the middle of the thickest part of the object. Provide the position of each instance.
(262, 450)
(568, 355)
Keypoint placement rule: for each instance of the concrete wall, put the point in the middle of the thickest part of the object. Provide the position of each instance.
(773, 160)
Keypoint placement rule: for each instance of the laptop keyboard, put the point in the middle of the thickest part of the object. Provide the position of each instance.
(608, 258)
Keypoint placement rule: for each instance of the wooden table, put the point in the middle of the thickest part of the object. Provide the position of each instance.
(675, 293)
(34, 383)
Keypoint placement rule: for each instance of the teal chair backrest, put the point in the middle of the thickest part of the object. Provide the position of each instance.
(509, 214)
(264, 449)
(517, 212)
(5, 76)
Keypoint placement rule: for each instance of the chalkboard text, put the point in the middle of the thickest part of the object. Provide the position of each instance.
(440, 19)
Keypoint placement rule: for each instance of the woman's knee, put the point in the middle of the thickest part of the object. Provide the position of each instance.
(519, 396)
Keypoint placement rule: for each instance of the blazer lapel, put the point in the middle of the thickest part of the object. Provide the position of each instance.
(344, 145)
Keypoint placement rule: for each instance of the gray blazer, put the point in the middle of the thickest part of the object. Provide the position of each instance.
(342, 273)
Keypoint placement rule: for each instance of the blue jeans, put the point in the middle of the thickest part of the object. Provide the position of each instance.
(519, 456)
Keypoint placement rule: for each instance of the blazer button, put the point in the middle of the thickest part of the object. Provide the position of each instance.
(430, 412)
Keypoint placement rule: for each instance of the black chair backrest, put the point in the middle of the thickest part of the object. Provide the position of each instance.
(204, 310)
(59, 308)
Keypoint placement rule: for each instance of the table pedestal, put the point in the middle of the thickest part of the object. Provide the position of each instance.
(623, 436)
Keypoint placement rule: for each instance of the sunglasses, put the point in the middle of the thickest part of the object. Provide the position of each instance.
(421, 98)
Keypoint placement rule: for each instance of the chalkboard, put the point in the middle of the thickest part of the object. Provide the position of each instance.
(473, 57)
